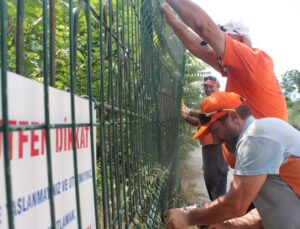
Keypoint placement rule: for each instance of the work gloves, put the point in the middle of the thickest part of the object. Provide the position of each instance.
(184, 110)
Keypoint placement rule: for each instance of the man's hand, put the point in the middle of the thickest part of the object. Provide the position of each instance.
(168, 12)
(184, 110)
(176, 219)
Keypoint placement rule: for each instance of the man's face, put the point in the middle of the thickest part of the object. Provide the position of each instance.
(225, 131)
(209, 89)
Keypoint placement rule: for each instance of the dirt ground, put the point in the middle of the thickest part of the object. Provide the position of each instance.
(193, 190)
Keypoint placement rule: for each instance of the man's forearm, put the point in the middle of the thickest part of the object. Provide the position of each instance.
(192, 120)
(190, 39)
(192, 42)
(191, 14)
(243, 190)
(194, 113)
(201, 23)
(251, 220)
(213, 213)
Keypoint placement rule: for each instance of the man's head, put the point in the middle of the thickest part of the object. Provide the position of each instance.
(238, 31)
(223, 115)
(210, 85)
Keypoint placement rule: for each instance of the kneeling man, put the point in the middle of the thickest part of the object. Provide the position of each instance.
(267, 169)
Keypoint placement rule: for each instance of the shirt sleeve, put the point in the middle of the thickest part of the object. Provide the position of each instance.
(239, 59)
(258, 156)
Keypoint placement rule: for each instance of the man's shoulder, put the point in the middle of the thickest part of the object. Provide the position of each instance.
(271, 130)
(243, 48)
(269, 122)
(259, 129)
(265, 125)
(237, 54)
(264, 56)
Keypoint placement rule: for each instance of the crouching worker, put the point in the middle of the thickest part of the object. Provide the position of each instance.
(267, 169)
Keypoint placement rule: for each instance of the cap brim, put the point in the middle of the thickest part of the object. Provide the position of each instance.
(204, 128)
(210, 82)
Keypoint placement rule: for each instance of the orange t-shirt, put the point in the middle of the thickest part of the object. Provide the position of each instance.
(250, 73)
(206, 139)
(290, 173)
(228, 156)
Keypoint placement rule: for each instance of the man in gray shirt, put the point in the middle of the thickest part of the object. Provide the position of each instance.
(267, 169)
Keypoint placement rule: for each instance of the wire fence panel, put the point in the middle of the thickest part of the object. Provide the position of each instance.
(127, 66)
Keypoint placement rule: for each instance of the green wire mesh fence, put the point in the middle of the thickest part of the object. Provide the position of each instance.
(122, 57)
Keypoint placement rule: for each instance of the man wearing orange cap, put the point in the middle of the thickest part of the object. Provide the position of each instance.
(228, 49)
(215, 168)
(267, 169)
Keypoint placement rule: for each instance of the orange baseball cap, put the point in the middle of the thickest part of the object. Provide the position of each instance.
(214, 107)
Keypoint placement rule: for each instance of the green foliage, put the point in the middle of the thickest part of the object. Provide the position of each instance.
(33, 41)
(294, 114)
(11, 12)
(290, 79)
(32, 27)
(193, 91)
(185, 141)
(192, 94)
(289, 102)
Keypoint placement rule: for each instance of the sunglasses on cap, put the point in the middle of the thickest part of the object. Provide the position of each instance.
(228, 30)
(206, 117)
(210, 78)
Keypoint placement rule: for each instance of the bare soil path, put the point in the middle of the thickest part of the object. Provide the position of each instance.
(191, 179)
(193, 190)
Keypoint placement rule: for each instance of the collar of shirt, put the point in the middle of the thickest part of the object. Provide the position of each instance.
(247, 123)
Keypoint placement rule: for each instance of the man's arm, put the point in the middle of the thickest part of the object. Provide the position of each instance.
(189, 38)
(192, 120)
(194, 113)
(234, 203)
(251, 220)
(189, 115)
(197, 19)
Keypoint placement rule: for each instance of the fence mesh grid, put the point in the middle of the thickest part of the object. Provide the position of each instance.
(122, 57)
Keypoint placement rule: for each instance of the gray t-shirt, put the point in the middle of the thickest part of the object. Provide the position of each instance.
(263, 146)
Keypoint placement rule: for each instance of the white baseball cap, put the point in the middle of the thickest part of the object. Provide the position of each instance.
(235, 27)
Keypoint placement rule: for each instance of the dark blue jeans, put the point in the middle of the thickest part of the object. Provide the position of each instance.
(215, 170)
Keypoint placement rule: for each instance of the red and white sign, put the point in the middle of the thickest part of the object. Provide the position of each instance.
(29, 164)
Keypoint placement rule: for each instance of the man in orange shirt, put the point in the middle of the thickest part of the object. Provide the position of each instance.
(215, 168)
(267, 170)
(249, 71)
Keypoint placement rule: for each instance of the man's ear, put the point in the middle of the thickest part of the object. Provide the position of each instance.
(233, 116)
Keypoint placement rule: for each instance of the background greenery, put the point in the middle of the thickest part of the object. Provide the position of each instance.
(291, 82)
